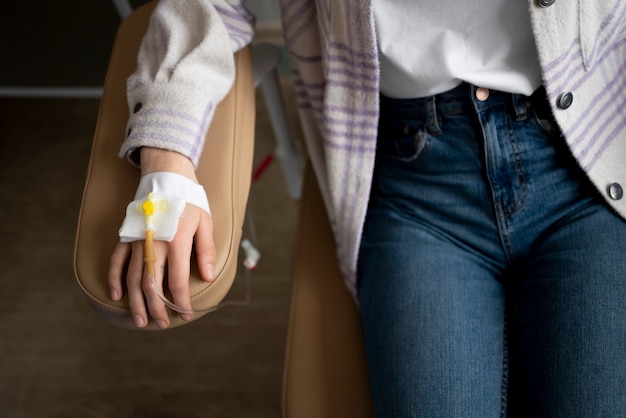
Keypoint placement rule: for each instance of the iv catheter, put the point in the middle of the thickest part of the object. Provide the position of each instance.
(149, 207)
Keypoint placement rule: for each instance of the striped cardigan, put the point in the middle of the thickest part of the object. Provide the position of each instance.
(185, 69)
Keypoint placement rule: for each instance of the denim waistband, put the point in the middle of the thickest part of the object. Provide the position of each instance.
(462, 99)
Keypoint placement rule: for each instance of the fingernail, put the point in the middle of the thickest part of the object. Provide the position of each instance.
(161, 323)
(139, 322)
(115, 295)
(185, 317)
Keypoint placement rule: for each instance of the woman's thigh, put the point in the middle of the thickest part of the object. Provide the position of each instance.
(568, 320)
(433, 320)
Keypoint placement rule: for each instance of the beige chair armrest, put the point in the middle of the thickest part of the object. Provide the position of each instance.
(224, 170)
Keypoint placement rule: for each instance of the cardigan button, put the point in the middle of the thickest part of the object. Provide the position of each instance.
(615, 191)
(545, 3)
(137, 108)
(565, 100)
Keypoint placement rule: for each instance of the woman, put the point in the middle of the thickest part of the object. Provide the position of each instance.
(470, 154)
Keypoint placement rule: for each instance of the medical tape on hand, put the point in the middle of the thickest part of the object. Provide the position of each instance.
(168, 192)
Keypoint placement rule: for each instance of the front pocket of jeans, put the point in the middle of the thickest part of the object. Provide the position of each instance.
(404, 143)
(546, 124)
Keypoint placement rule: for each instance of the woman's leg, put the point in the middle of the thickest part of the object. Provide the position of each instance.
(463, 201)
(433, 318)
(431, 304)
(568, 320)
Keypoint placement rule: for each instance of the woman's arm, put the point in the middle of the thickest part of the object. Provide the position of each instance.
(185, 68)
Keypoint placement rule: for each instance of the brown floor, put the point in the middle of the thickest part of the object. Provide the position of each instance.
(57, 359)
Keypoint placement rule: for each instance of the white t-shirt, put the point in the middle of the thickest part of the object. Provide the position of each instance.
(428, 47)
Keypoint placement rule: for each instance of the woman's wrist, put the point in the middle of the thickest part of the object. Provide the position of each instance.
(156, 159)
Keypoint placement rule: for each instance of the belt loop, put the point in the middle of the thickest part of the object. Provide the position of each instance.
(433, 124)
(520, 104)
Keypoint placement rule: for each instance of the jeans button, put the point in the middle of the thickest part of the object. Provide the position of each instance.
(482, 94)
(615, 191)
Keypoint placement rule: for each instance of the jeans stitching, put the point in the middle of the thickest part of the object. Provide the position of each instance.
(504, 388)
(518, 168)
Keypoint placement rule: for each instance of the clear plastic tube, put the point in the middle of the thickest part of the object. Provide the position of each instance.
(185, 311)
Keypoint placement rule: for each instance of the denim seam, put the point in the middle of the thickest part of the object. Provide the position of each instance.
(518, 168)
(504, 388)
(501, 211)
(504, 212)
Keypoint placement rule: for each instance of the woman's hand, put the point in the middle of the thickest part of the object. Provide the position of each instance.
(195, 225)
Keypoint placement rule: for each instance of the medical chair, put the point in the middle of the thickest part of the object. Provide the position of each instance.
(324, 370)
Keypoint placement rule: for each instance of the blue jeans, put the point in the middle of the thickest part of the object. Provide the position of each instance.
(492, 275)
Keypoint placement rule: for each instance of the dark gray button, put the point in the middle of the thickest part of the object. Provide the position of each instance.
(615, 191)
(128, 133)
(137, 108)
(545, 3)
(565, 100)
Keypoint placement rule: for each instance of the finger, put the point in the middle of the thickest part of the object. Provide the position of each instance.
(116, 270)
(206, 252)
(156, 307)
(178, 271)
(133, 282)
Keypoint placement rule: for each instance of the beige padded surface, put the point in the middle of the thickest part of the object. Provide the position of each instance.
(224, 170)
(325, 372)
